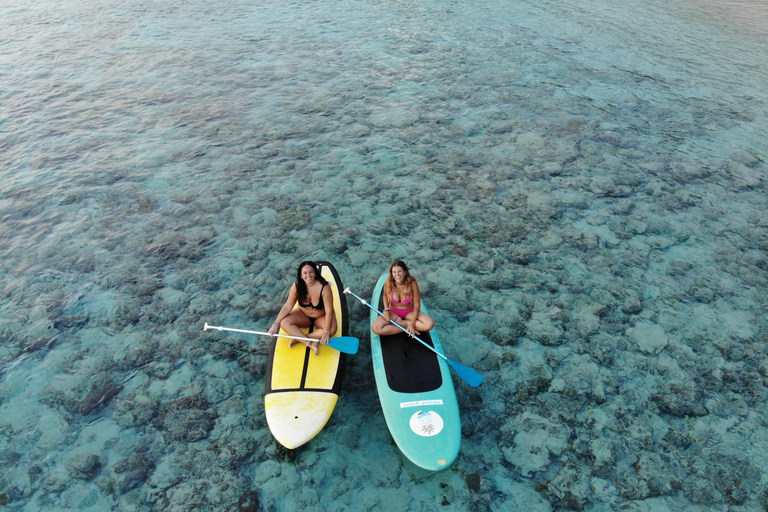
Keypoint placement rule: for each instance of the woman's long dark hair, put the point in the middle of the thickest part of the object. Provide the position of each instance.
(301, 286)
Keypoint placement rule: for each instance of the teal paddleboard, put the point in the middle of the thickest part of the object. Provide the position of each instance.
(416, 394)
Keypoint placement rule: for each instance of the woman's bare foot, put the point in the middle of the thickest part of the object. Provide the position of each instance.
(314, 345)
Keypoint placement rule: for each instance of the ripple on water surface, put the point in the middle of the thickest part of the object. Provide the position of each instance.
(579, 188)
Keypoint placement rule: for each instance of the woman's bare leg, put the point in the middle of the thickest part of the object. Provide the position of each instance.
(293, 324)
(384, 328)
(424, 323)
(320, 329)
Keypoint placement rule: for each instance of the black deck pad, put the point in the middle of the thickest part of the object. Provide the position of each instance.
(410, 366)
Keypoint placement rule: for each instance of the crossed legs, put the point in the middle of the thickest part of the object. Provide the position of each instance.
(298, 320)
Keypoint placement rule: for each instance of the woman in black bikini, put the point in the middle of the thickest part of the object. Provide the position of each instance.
(315, 300)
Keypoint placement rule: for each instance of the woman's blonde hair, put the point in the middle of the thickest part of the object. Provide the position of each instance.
(390, 285)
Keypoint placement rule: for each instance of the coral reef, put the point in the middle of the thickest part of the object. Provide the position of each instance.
(587, 218)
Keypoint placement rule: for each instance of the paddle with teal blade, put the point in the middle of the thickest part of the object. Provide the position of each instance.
(346, 344)
(469, 375)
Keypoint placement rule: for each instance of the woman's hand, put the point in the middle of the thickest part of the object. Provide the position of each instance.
(324, 338)
(274, 328)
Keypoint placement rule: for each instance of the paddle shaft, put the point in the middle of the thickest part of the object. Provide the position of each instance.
(469, 375)
(397, 324)
(346, 344)
(206, 327)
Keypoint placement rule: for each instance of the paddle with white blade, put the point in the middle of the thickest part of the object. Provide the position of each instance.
(346, 344)
(469, 375)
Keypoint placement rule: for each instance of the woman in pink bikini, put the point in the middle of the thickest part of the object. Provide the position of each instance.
(402, 303)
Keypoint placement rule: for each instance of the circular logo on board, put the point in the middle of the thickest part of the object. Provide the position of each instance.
(426, 423)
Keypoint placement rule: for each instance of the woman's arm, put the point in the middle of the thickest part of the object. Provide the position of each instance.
(293, 295)
(416, 294)
(329, 314)
(387, 304)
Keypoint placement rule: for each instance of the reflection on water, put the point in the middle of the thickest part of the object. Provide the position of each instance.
(579, 186)
(750, 16)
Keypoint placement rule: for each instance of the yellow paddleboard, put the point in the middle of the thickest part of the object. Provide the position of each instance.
(301, 389)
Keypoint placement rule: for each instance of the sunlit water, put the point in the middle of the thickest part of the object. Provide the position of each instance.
(579, 186)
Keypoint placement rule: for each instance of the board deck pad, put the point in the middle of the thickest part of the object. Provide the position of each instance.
(410, 366)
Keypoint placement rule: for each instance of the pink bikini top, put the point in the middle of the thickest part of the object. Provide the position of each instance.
(408, 300)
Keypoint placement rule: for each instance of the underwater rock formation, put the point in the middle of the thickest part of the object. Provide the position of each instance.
(189, 418)
(248, 502)
(84, 466)
(99, 399)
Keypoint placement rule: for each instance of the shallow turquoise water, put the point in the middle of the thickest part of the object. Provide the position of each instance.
(580, 188)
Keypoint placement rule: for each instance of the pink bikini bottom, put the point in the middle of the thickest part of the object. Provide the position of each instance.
(402, 313)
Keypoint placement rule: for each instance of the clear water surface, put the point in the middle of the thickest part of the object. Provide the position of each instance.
(579, 186)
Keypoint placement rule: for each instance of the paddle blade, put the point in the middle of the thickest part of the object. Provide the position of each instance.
(469, 375)
(346, 344)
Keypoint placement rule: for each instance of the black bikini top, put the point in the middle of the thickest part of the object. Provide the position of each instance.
(309, 304)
